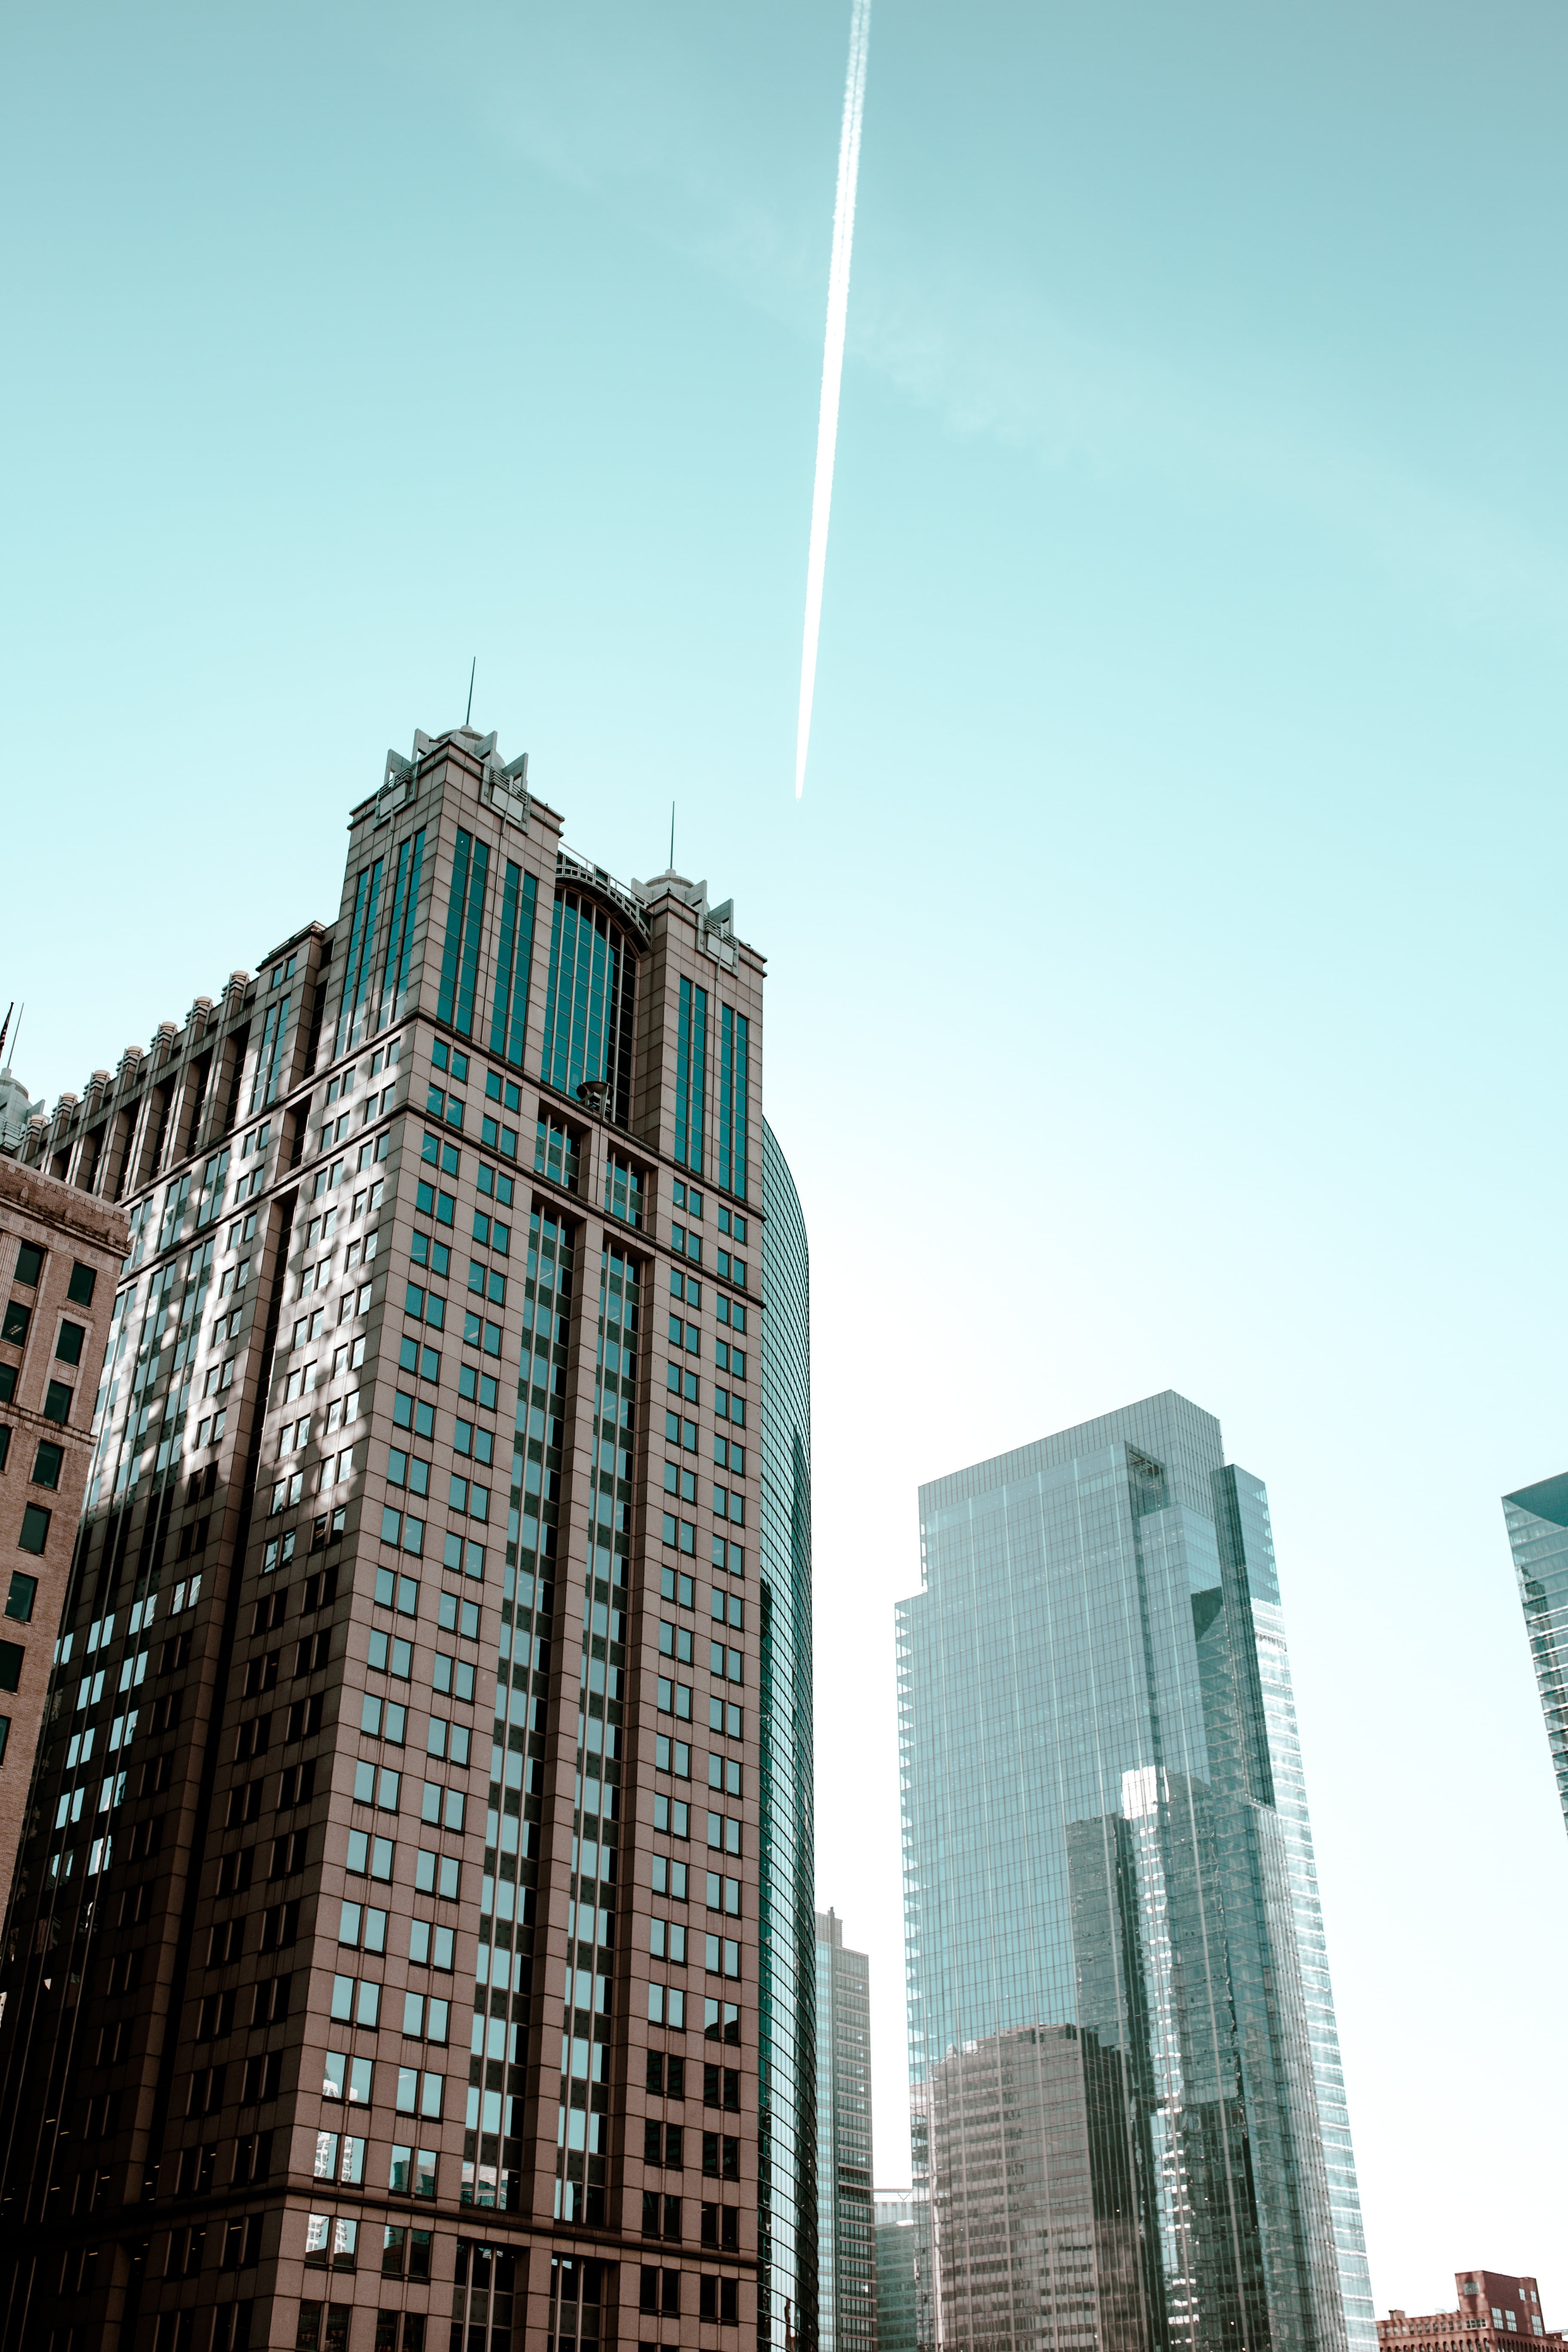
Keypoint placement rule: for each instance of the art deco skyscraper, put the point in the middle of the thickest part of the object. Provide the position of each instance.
(407, 1941)
(1537, 1519)
(1129, 2118)
(847, 2265)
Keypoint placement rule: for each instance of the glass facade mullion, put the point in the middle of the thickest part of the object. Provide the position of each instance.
(509, 1018)
(400, 936)
(589, 1004)
(690, 1075)
(473, 932)
(451, 950)
(788, 2187)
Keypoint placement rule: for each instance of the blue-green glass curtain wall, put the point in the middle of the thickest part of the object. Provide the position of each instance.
(508, 1014)
(1105, 1981)
(356, 979)
(400, 936)
(589, 1000)
(465, 928)
(734, 1070)
(690, 1075)
(787, 2185)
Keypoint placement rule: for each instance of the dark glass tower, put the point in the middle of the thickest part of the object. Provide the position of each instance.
(786, 2248)
(1117, 2114)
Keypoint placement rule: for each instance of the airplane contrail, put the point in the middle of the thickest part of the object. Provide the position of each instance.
(832, 368)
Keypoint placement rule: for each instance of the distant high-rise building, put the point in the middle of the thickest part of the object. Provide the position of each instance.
(903, 2272)
(846, 2256)
(1537, 1519)
(59, 1260)
(1494, 2309)
(1128, 2114)
(412, 1930)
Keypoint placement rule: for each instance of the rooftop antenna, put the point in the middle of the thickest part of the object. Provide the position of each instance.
(18, 1024)
(469, 712)
(672, 836)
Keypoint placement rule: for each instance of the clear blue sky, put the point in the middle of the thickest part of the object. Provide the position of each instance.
(1165, 982)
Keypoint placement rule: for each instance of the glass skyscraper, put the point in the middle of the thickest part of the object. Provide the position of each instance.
(903, 2290)
(1250, 1503)
(1537, 1520)
(846, 2260)
(1129, 2118)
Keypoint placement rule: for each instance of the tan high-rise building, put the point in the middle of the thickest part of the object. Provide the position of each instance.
(59, 1259)
(442, 1616)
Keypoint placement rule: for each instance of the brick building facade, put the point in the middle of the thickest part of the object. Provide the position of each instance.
(1492, 2310)
(423, 1980)
(59, 1259)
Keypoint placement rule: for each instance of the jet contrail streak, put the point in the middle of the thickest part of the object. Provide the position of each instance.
(832, 368)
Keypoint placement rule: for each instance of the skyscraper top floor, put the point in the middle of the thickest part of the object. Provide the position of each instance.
(460, 902)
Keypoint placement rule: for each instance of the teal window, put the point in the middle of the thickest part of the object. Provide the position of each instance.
(734, 1074)
(465, 922)
(623, 1190)
(353, 1011)
(588, 1004)
(400, 939)
(555, 1153)
(495, 1183)
(266, 1086)
(477, 1387)
(508, 1019)
(690, 1075)
(445, 1156)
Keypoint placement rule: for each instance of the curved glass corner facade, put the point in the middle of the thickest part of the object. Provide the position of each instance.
(787, 1992)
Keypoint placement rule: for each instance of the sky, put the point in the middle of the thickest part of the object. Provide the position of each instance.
(1164, 989)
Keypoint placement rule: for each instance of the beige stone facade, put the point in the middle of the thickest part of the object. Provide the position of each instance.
(414, 1988)
(59, 1259)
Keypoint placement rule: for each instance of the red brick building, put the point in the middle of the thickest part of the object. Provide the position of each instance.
(60, 1254)
(1494, 2308)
